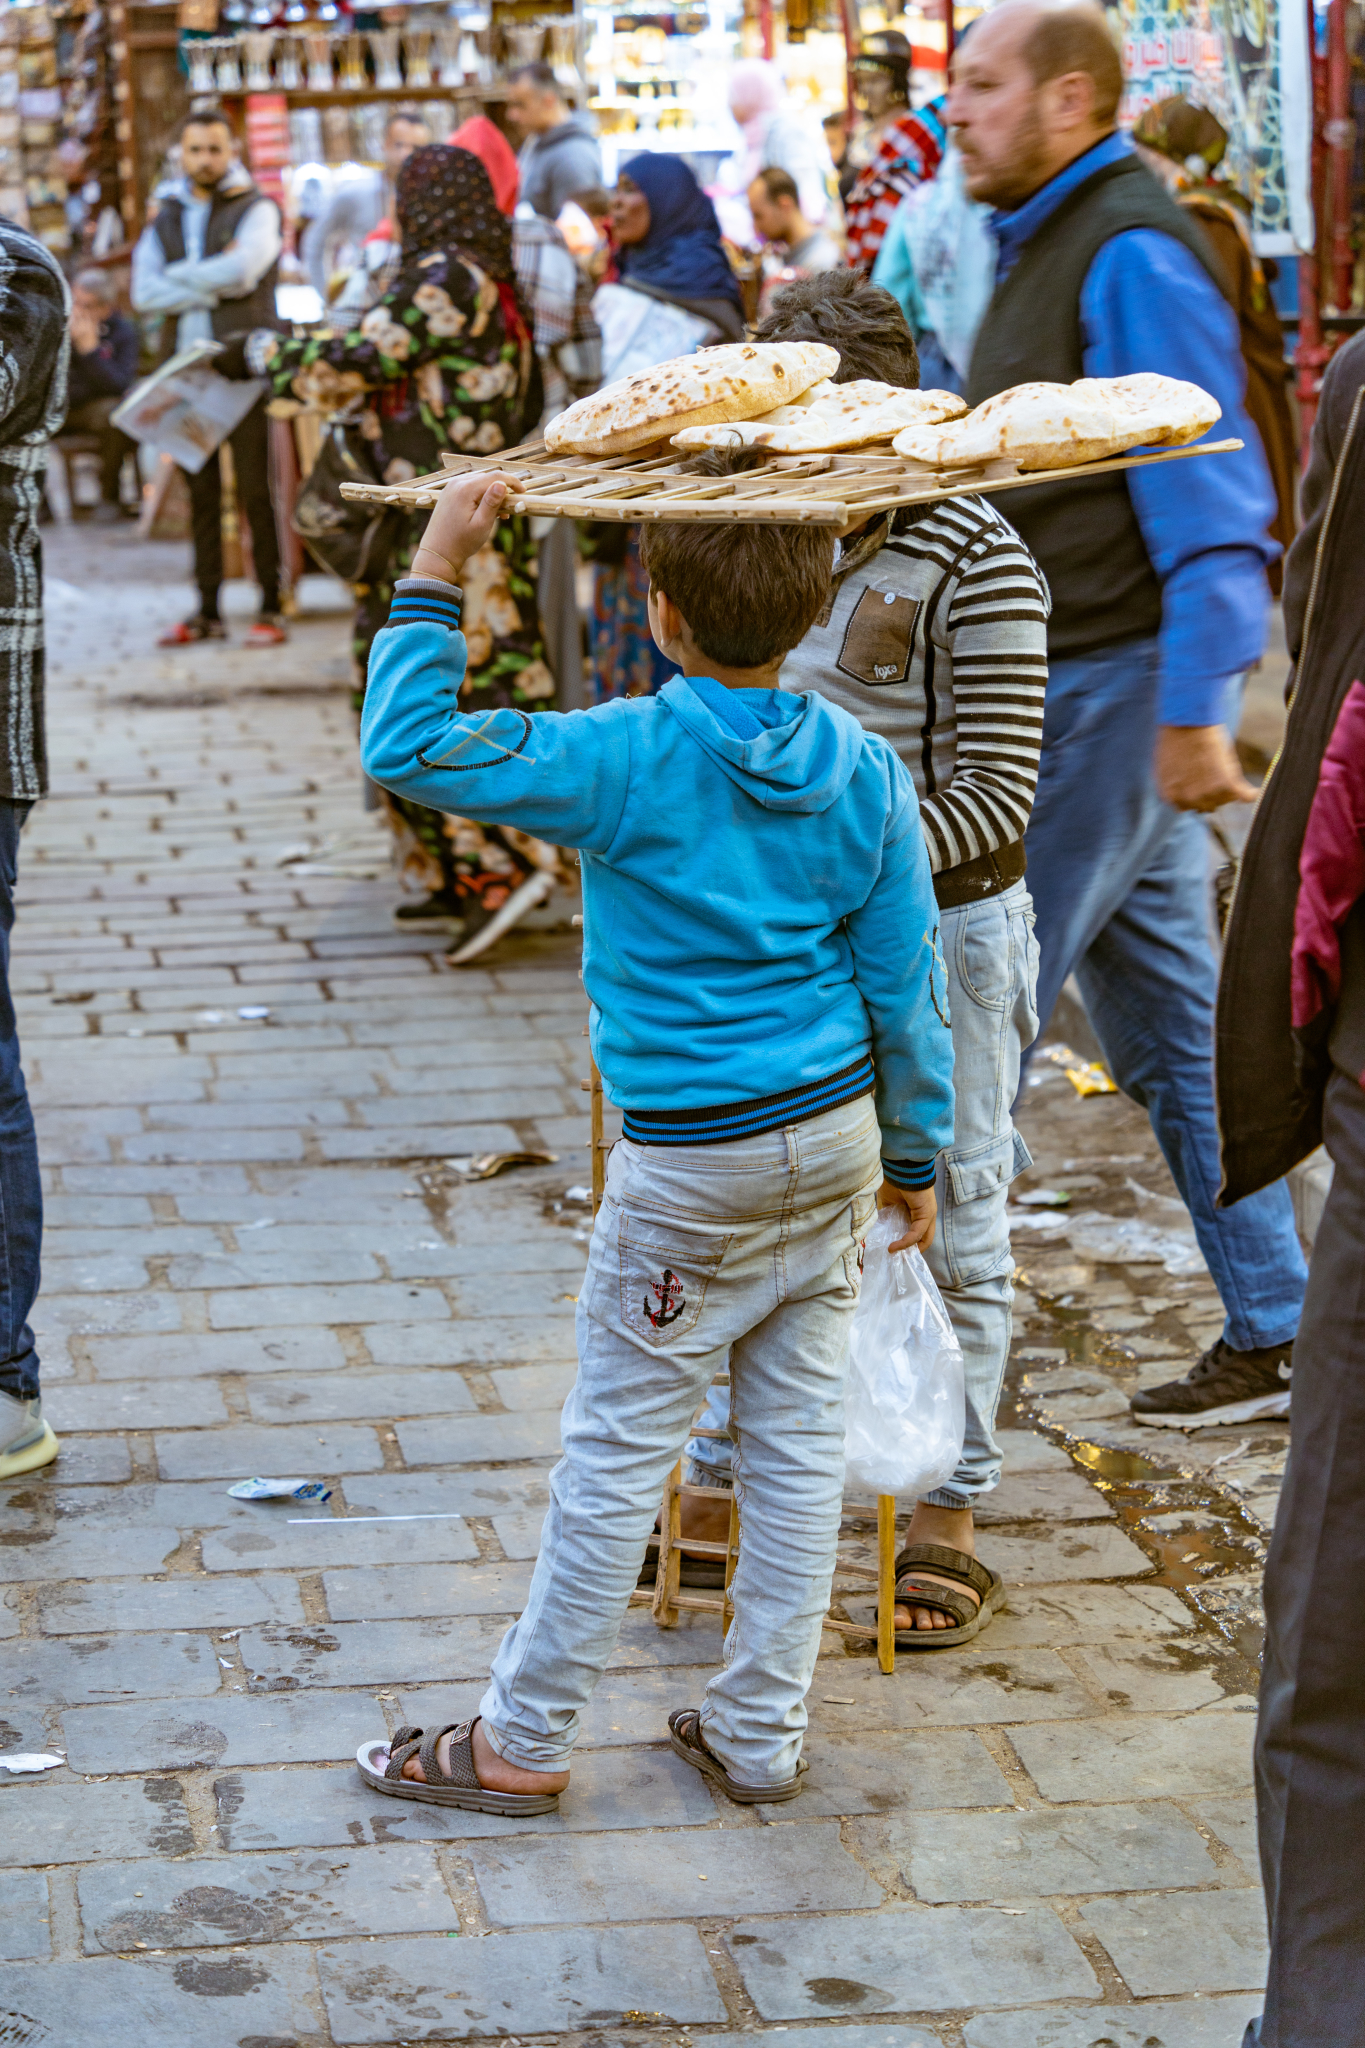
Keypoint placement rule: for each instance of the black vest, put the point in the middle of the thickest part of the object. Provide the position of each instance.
(230, 316)
(1084, 536)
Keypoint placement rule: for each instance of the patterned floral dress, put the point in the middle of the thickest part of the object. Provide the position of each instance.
(442, 360)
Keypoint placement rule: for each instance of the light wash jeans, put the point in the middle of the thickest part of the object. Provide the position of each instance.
(744, 1256)
(1120, 882)
(992, 962)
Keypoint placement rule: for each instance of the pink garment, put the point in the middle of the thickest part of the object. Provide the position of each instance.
(755, 96)
(488, 143)
(1331, 865)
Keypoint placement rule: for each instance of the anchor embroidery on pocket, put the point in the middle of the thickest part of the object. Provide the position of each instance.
(672, 1300)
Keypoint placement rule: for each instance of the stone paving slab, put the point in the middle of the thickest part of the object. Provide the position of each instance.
(968, 1856)
(61, 1820)
(306, 1809)
(661, 1877)
(1234, 1823)
(475, 1440)
(217, 1351)
(340, 1540)
(1197, 2023)
(215, 1902)
(461, 1990)
(907, 1959)
(231, 1729)
(1147, 1758)
(84, 1553)
(341, 1397)
(23, 1917)
(1163, 1949)
(876, 1773)
(214, 2002)
(277, 1452)
(399, 1590)
(171, 1603)
(111, 1668)
(136, 1404)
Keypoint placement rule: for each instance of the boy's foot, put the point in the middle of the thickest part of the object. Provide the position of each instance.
(482, 932)
(191, 631)
(268, 630)
(686, 1740)
(1223, 1386)
(953, 1529)
(26, 1441)
(440, 910)
(456, 1766)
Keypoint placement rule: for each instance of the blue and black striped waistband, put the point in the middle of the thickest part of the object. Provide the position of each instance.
(727, 1121)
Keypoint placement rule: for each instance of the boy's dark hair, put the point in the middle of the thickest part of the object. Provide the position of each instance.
(748, 592)
(861, 320)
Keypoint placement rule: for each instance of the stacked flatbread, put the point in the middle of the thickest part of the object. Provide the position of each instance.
(1052, 426)
(733, 382)
(829, 417)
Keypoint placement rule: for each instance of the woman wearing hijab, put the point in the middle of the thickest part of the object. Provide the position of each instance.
(444, 359)
(668, 248)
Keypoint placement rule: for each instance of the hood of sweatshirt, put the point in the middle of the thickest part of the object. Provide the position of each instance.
(578, 127)
(803, 762)
(235, 180)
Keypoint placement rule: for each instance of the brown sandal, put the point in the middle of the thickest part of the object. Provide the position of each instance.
(685, 1736)
(913, 1590)
(380, 1764)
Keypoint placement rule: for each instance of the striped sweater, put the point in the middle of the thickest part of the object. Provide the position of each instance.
(935, 636)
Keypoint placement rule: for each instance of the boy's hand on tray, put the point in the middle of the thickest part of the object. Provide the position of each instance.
(921, 1206)
(463, 522)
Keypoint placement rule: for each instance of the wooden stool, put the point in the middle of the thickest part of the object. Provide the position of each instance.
(667, 1598)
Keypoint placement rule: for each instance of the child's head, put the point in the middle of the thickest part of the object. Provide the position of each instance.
(747, 591)
(861, 320)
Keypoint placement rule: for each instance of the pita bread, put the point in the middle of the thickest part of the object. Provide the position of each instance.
(733, 382)
(1052, 426)
(836, 416)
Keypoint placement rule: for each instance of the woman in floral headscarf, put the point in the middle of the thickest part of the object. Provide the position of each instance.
(444, 359)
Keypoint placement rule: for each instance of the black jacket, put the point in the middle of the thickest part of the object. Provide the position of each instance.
(107, 370)
(1269, 1082)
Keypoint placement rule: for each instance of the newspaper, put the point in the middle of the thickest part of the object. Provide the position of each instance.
(185, 409)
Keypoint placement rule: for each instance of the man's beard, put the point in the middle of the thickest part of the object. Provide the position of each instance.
(1007, 185)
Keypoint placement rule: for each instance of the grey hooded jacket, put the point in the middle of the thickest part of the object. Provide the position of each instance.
(557, 166)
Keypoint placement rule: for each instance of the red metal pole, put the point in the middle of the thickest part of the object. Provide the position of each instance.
(765, 26)
(852, 38)
(1311, 354)
(1337, 137)
(951, 27)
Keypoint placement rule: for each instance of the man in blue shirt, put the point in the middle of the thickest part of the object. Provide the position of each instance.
(1159, 606)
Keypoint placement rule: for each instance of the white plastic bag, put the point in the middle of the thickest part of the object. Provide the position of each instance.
(904, 1409)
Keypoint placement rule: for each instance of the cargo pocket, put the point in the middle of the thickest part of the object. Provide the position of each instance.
(665, 1272)
(976, 1241)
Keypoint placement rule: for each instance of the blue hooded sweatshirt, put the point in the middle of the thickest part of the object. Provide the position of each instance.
(760, 930)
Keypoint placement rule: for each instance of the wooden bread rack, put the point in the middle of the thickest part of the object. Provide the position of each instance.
(821, 490)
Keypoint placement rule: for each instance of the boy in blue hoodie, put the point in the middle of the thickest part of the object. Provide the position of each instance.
(768, 1011)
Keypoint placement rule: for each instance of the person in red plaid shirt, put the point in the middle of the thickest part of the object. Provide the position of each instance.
(908, 151)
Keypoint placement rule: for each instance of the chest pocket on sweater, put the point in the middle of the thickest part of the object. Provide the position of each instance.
(879, 638)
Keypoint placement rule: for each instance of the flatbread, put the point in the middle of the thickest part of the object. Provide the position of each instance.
(1053, 426)
(733, 382)
(837, 416)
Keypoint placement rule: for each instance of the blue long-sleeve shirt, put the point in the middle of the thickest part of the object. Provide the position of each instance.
(1148, 304)
(760, 924)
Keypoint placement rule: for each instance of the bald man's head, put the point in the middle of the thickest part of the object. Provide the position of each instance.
(1034, 86)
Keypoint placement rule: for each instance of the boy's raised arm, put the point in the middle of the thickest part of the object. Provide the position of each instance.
(900, 975)
(561, 776)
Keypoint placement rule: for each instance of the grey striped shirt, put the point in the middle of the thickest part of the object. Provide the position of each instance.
(935, 636)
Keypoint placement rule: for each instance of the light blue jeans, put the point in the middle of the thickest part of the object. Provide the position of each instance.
(992, 962)
(746, 1257)
(1120, 882)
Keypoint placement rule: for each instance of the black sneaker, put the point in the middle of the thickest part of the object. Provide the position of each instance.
(441, 910)
(1224, 1386)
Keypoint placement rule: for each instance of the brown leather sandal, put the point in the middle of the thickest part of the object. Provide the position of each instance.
(380, 1764)
(685, 1736)
(914, 1590)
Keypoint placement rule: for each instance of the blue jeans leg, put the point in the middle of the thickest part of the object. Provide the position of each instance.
(21, 1193)
(1120, 886)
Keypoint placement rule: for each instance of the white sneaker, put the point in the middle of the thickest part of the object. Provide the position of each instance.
(26, 1441)
(532, 891)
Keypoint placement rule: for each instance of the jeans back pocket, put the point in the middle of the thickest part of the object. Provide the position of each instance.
(665, 1272)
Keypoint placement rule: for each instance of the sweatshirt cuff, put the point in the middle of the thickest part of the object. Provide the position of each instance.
(426, 599)
(911, 1174)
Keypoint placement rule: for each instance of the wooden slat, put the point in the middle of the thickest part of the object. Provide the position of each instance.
(818, 489)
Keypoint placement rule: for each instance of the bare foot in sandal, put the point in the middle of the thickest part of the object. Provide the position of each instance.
(953, 1528)
(494, 1773)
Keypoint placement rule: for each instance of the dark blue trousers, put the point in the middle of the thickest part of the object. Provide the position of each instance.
(21, 1192)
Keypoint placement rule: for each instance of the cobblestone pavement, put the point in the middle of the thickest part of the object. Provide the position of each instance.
(259, 1261)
